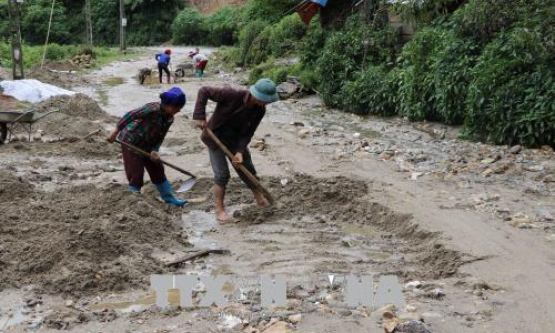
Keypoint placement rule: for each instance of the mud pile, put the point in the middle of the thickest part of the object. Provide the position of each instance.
(13, 189)
(83, 240)
(58, 73)
(79, 115)
(342, 201)
(78, 105)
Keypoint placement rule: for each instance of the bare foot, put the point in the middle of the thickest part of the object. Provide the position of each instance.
(222, 217)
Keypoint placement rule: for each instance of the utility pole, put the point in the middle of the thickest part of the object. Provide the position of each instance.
(15, 37)
(122, 25)
(89, 24)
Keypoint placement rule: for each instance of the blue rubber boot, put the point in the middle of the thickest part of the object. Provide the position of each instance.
(166, 192)
(133, 189)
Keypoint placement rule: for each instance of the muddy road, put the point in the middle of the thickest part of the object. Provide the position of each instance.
(467, 228)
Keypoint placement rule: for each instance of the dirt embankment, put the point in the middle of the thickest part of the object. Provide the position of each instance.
(79, 127)
(209, 6)
(80, 240)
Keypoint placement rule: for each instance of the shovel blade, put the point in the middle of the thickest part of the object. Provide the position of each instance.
(186, 186)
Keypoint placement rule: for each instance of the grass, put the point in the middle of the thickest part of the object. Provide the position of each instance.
(32, 54)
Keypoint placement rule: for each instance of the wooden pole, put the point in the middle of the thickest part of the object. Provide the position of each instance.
(88, 19)
(122, 24)
(15, 37)
(241, 167)
(47, 34)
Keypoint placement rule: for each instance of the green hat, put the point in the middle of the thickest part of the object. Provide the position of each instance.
(264, 90)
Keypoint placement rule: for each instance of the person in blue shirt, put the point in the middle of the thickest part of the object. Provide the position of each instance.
(163, 63)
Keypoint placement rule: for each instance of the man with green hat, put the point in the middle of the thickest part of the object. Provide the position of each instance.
(236, 117)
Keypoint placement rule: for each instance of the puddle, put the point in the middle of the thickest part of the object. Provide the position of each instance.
(8, 320)
(200, 224)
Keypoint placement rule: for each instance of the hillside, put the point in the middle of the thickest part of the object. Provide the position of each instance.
(208, 6)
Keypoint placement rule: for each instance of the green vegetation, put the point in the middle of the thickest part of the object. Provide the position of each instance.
(488, 65)
(149, 22)
(32, 55)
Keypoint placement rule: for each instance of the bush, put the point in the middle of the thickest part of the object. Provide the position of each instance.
(348, 51)
(373, 91)
(277, 40)
(247, 35)
(452, 70)
(222, 26)
(511, 97)
(311, 46)
(481, 20)
(271, 70)
(189, 28)
(270, 10)
(229, 57)
(417, 90)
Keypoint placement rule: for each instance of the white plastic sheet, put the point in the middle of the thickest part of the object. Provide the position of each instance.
(32, 91)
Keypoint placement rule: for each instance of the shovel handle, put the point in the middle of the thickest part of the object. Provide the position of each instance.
(241, 167)
(145, 154)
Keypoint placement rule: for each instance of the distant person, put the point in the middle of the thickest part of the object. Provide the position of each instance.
(234, 121)
(146, 128)
(200, 60)
(163, 63)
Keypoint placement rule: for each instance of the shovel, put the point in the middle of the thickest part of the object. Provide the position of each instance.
(241, 167)
(186, 186)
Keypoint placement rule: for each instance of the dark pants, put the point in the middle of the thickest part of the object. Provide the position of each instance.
(135, 166)
(163, 67)
(218, 160)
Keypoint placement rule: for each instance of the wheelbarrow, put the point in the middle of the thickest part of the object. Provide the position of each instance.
(12, 120)
(184, 69)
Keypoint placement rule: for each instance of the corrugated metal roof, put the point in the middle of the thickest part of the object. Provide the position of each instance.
(322, 3)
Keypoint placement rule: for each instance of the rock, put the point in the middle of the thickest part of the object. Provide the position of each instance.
(259, 145)
(404, 166)
(545, 215)
(69, 303)
(297, 123)
(296, 318)
(410, 308)
(515, 149)
(547, 148)
(287, 89)
(278, 327)
(488, 161)
(413, 285)
(65, 168)
(386, 155)
(535, 168)
(548, 179)
(436, 293)
(431, 316)
(231, 322)
(294, 304)
(390, 322)
(284, 181)
(356, 135)
(407, 316)
(413, 326)
(520, 220)
(304, 132)
(416, 175)
(488, 172)
(550, 238)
